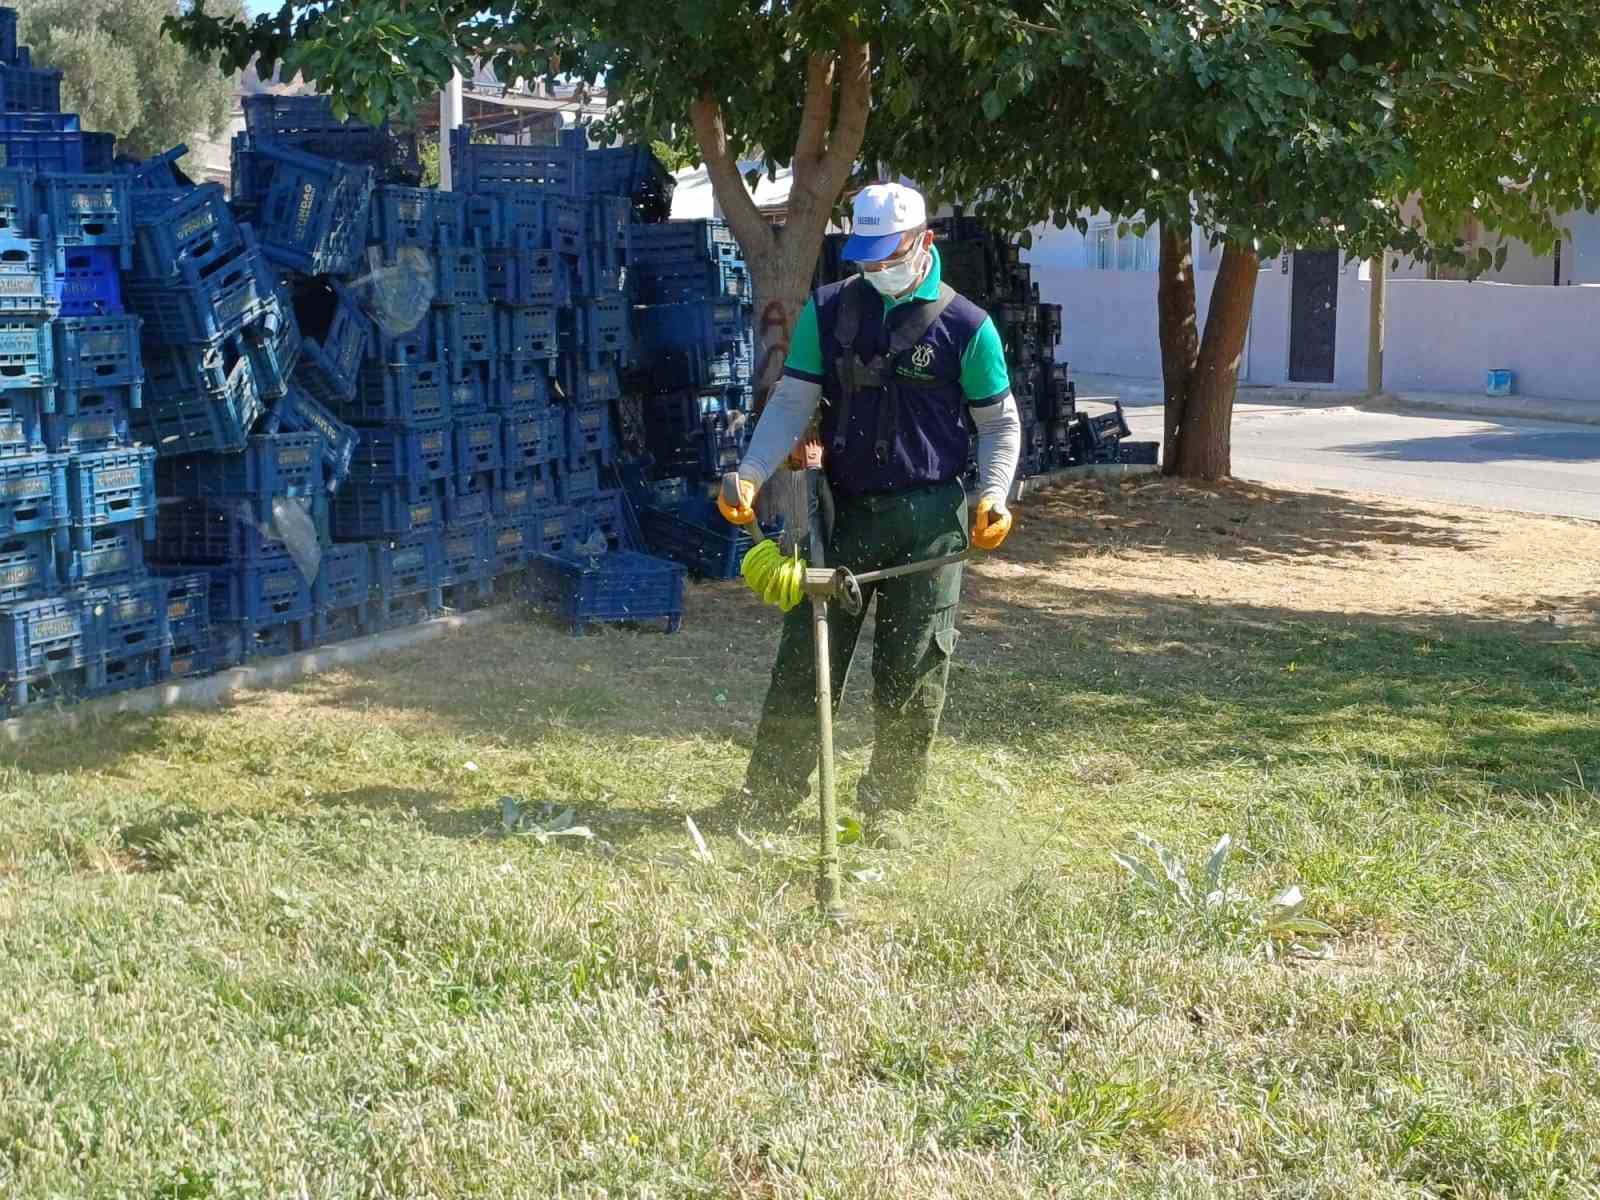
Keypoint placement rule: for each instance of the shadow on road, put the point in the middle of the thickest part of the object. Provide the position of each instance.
(1505, 445)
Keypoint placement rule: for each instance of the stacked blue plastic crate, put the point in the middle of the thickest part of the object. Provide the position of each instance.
(80, 614)
(693, 395)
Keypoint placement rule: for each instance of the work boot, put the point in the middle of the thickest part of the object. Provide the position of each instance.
(765, 806)
(887, 829)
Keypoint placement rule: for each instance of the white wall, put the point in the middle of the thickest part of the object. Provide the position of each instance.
(1580, 254)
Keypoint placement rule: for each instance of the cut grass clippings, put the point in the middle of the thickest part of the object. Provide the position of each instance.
(297, 946)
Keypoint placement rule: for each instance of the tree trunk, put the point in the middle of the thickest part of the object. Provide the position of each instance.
(1180, 338)
(1204, 437)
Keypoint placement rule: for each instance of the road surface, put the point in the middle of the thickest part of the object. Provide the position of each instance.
(1528, 466)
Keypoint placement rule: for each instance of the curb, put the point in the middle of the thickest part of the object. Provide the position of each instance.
(213, 689)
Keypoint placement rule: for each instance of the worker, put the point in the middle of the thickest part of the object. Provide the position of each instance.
(897, 360)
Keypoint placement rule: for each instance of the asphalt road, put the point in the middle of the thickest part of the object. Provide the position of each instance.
(1528, 466)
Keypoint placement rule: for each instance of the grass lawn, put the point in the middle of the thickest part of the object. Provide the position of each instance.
(286, 948)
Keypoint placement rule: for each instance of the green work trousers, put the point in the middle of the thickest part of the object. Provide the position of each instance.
(915, 638)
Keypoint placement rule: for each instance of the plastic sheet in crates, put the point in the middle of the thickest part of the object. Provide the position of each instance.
(271, 465)
(205, 305)
(555, 170)
(335, 334)
(27, 566)
(403, 216)
(623, 585)
(27, 357)
(477, 444)
(99, 421)
(27, 277)
(367, 510)
(178, 229)
(111, 487)
(527, 332)
(92, 353)
(90, 210)
(309, 212)
(22, 422)
(297, 412)
(404, 454)
(199, 399)
(415, 394)
(424, 342)
(33, 494)
(38, 637)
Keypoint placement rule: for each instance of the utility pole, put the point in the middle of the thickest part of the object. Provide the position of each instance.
(449, 118)
(1375, 326)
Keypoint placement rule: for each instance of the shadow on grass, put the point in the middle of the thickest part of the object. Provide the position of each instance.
(430, 808)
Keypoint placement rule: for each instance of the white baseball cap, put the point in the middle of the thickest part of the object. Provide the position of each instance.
(883, 214)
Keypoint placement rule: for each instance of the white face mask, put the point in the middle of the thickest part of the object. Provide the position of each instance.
(901, 277)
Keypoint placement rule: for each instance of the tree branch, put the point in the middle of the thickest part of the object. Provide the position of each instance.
(738, 205)
(818, 108)
(855, 101)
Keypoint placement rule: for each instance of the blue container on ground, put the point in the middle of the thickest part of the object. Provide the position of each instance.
(204, 305)
(404, 454)
(309, 212)
(27, 566)
(711, 549)
(621, 586)
(363, 510)
(33, 494)
(198, 401)
(97, 352)
(90, 210)
(175, 230)
(22, 422)
(527, 332)
(88, 283)
(27, 355)
(99, 421)
(112, 487)
(297, 412)
(414, 394)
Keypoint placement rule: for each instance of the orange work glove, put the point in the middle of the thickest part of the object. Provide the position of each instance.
(989, 528)
(744, 513)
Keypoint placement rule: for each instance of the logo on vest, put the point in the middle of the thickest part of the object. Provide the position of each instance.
(922, 357)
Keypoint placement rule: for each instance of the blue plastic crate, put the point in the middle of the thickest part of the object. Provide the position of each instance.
(404, 454)
(696, 368)
(714, 281)
(578, 478)
(524, 491)
(133, 616)
(331, 625)
(188, 600)
(531, 438)
(512, 543)
(88, 283)
(205, 305)
(336, 333)
(603, 327)
(622, 586)
(8, 35)
(604, 513)
(524, 277)
(33, 494)
(712, 548)
(344, 577)
(466, 553)
(236, 642)
(461, 276)
(110, 554)
(28, 283)
(365, 510)
(470, 498)
(477, 444)
(415, 394)
(175, 230)
(234, 529)
(159, 173)
(309, 212)
(423, 342)
(29, 89)
(508, 219)
(679, 241)
(551, 530)
(273, 342)
(22, 422)
(586, 385)
(27, 566)
(698, 325)
(137, 669)
(111, 487)
(199, 399)
(590, 432)
(51, 142)
(403, 216)
(19, 207)
(610, 222)
(266, 592)
(94, 353)
(470, 329)
(527, 333)
(469, 392)
(39, 637)
(554, 170)
(269, 466)
(99, 421)
(567, 224)
(297, 412)
(307, 123)
(402, 566)
(520, 385)
(27, 356)
(91, 210)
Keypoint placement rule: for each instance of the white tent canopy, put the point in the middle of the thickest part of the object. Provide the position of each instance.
(692, 198)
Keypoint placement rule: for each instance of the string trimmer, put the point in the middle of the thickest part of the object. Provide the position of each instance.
(784, 580)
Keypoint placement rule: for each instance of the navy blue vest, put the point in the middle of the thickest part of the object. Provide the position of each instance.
(931, 442)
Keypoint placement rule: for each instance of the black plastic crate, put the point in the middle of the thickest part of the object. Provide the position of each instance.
(27, 356)
(99, 421)
(363, 510)
(97, 352)
(111, 487)
(527, 332)
(22, 422)
(622, 586)
(234, 529)
(414, 394)
(33, 494)
(91, 210)
(404, 454)
(335, 336)
(27, 566)
(175, 230)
